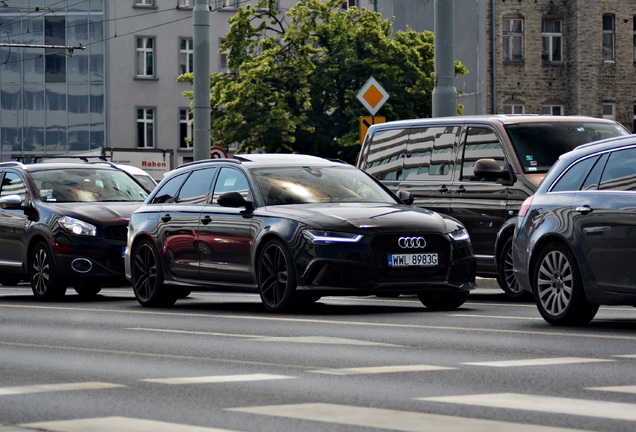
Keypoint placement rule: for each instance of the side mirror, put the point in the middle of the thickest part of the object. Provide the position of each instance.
(405, 196)
(234, 200)
(490, 170)
(11, 202)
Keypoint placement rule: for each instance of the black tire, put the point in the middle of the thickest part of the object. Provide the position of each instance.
(45, 279)
(147, 277)
(443, 301)
(276, 277)
(558, 288)
(506, 277)
(87, 291)
(9, 281)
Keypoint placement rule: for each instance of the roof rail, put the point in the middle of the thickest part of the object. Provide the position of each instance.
(208, 161)
(11, 164)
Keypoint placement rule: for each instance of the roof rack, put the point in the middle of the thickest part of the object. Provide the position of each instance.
(208, 161)
(38, 159)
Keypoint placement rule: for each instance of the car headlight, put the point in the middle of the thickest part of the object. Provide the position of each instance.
(77, 226)
(460, 234)
(317, 236)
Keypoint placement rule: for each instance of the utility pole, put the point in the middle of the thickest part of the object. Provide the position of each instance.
(444, 93)
(201, 73)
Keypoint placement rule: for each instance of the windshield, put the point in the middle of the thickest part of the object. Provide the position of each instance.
(297, 185)
(86, 185)
(539, 145)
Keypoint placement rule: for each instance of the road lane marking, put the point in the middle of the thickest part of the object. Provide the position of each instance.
(496, 317)
(42, 388)
(119, 424)
(259, 338)
(619, 389)
(207, 316)
(381, 369)
(630, 356)
(377, 418)
(217, 379)
(546, 404)
(539, 362)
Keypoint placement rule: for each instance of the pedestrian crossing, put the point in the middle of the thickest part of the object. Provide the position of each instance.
(361, 416)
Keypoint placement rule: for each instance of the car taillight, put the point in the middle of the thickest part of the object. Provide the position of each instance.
(526, 206)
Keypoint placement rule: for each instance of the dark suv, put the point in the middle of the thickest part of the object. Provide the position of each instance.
(64, 224)
(478, 169)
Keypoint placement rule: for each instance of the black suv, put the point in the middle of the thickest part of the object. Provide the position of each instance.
(477, 169)
(64, 224)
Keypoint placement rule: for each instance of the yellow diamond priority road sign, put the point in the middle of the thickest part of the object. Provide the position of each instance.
(372, 96)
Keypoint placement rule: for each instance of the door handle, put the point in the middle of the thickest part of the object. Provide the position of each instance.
(584, 209)
(166, 218)
(461, 189)
(206, 220)
(443, 189)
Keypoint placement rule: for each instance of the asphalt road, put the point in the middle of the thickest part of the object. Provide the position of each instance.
(221, 362)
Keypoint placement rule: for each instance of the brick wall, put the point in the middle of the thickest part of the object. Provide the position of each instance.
(582, 82)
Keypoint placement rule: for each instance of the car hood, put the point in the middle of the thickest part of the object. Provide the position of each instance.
(365, 216)
(100, 212)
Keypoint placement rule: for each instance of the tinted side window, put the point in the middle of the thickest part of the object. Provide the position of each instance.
(481, 143)
(168, 191)
(196, 188)
(620, 171)
(430, 153)
(231, 180)
(594, 177)
(572, 179)
(12, 184)
(386, 154)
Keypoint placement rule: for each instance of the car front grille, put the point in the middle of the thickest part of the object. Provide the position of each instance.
(385, 244)
(116, 232)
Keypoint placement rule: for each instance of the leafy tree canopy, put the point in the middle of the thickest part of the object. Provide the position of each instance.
(298, 74)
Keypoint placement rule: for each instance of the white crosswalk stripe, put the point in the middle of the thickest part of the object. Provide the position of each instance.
(217, 379)
(619, 389)
(395, 420)
(547, 404)
(381, 369)
(119, 424)
(539, 362)
(42, 388)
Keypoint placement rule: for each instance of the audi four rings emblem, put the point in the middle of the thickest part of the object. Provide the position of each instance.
(411, 242)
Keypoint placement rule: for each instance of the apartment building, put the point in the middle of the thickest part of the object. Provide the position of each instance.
(563, 57)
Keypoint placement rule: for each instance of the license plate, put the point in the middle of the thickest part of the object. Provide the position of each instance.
(413, 260)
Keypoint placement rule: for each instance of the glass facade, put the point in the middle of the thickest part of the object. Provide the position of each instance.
(52, 98)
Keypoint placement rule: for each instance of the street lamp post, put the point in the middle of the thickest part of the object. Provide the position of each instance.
(201, 72)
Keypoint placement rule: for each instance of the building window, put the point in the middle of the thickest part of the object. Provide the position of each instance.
(609, 25)
(552, 110)
(144, 3)
(145, 127)
(349, 3)
(185, 4)
(513, 39)
(145, 56)
(55, 59)
(514, 108)
(185, 129)
(229, 4)
(609, 111)
(552, 40)
(186, 55)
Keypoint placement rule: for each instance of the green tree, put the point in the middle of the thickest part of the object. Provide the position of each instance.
(298, 74)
